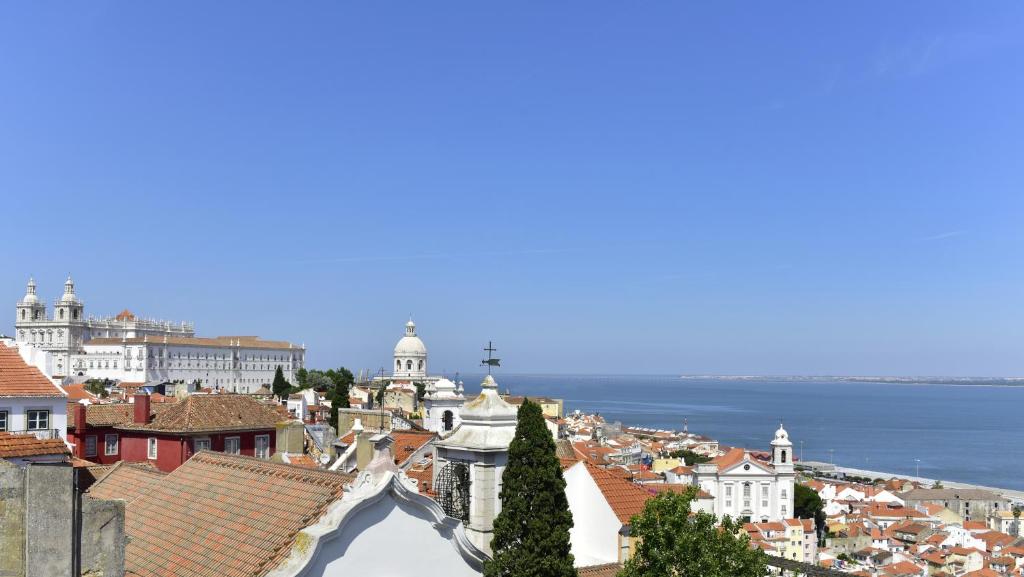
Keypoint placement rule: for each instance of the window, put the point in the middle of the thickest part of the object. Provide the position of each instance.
(201, 445)
(38, 420)
(262, 446)
(110, 444)
(151, 453)
(3, 420)
(232, 446)
(90, 446)
(447, 420)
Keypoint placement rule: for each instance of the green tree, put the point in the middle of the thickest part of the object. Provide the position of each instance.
(97, 387)
(807, 504)
(689, 457)
(342, 379)
(531, 534)
(281, 387)
(669, 541)
(421, 389)
(300, 377)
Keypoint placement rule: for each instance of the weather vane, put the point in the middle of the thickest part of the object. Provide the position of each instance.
(490, 361)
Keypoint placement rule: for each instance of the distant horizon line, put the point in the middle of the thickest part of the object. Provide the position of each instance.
(682, 376)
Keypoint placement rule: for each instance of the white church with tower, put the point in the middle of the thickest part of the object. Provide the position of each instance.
(130, 349)
(749, 489)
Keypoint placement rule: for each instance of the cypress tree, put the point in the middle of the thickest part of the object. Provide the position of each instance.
(280, 387)
(531, 534)
(343, 379)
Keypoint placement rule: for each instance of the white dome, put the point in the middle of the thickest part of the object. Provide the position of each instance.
(410, 346)
(30, 293)
(781, 437)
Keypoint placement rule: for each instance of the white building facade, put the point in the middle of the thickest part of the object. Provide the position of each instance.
(747, 489)
(442, 406)
(126, 348)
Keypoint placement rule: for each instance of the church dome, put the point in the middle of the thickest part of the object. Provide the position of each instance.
(30, 293)
(781, 437)
(410, 345)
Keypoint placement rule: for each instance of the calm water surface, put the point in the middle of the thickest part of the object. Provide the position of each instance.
(971, 434)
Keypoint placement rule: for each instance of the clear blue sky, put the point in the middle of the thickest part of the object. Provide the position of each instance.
(662, 187)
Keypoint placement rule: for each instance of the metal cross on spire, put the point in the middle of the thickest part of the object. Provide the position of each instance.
(490, 361)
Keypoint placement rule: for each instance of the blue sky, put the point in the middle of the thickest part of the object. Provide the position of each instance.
(755, 188)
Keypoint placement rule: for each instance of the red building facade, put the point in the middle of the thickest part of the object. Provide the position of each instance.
(168, 434)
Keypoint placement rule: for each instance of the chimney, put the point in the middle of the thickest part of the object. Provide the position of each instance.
(364, 447)
(79, 413)
(141, 408)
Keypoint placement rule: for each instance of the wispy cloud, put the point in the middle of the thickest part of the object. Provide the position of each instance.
(942, 235)
(436, 256)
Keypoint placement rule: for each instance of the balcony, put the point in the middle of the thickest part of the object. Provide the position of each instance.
(39, 433)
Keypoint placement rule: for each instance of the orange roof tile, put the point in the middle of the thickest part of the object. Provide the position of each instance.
(19, 379)
(29, 446)
(111, 414)
(226, 515)
(408, 442)
(626, 499)
(209, 413)
(244, 342)
(303, 461)
(77, 392)
(607, 570)
(127, 481)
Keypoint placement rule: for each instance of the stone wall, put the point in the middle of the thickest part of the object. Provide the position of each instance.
(48, 530)
(12, 520)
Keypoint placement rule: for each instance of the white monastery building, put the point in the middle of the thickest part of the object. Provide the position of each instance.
(747, 489)
(129, 349)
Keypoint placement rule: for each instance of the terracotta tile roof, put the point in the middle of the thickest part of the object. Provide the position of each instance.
(77, 392)
(210, 413)
(30, 446)
(607, 570)
(408, 442)
(108, 415)
(224, 516)
(303, 461)
(626, 499)
(902, 568)
(735, 455)
(425, 475)
(127, 481)
(19, 379)
(243, 342)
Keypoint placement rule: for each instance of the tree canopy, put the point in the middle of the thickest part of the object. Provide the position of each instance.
(670, 541)
(807, 504)
(689, 457)
(281, 387)
(342, 380)
(531, 533)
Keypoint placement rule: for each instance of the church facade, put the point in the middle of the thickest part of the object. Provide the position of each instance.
(748, 489)
(130, 349)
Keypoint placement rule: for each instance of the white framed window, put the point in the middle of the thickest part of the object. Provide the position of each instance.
(262, 446)
(38, 419)
(200, 445)
(110, 444)
(90, 446)
(232, 445)
(151, 448)
(4, 419)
